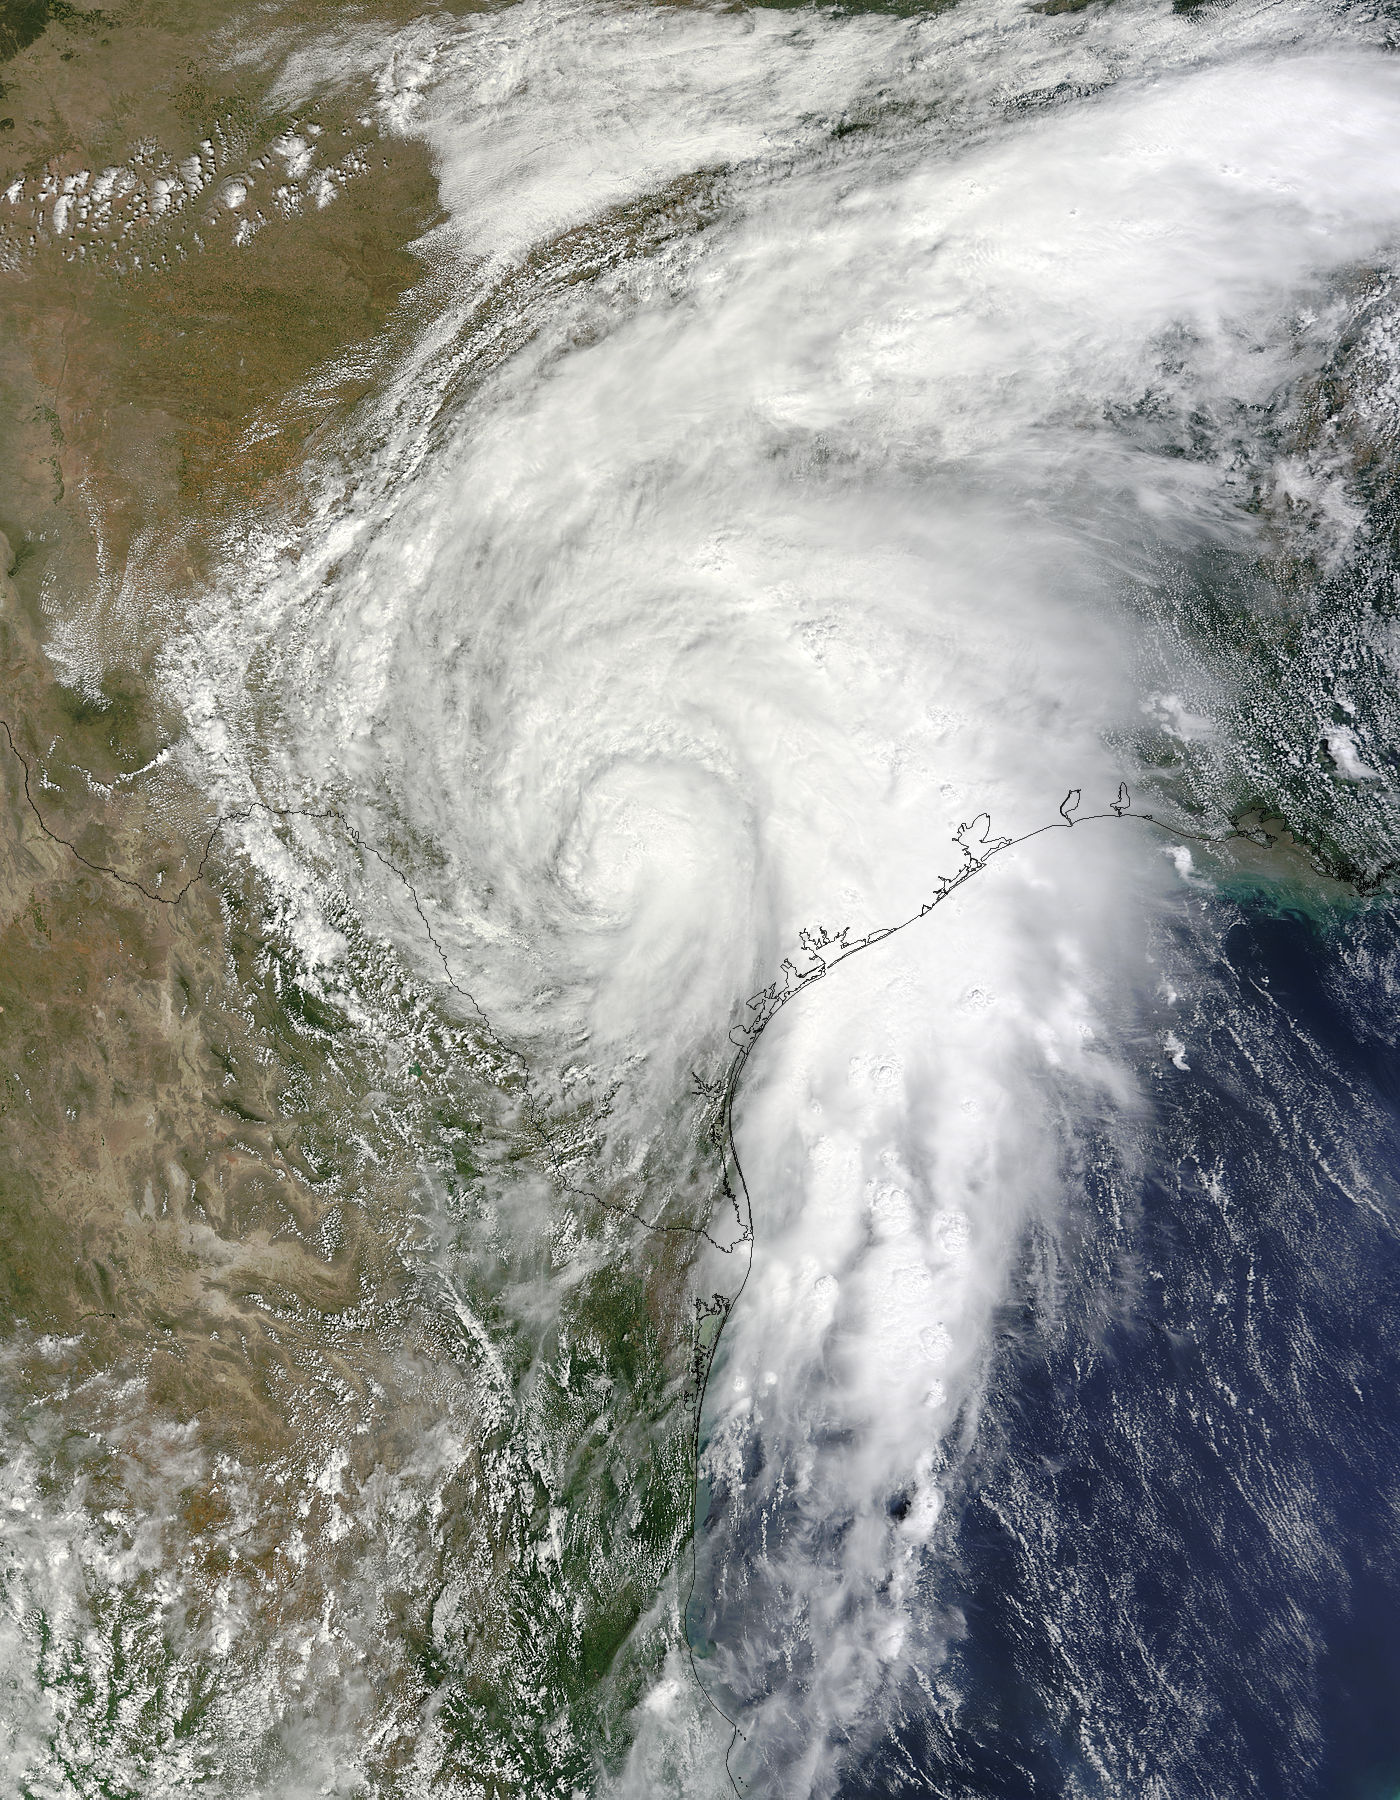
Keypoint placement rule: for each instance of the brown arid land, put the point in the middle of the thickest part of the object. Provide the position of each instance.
(192, 1280)
(272, 1491)
(153, 1163)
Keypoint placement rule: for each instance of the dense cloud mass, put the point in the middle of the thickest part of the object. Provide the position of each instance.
(807, 423)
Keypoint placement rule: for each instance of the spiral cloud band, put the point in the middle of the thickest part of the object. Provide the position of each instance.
(787, 468)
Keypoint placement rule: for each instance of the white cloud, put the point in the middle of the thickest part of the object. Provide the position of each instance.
(698, 584)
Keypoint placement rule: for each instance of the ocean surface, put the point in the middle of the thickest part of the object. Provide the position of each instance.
(1174, 1564)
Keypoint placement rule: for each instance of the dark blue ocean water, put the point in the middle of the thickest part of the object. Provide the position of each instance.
(1173, 1568)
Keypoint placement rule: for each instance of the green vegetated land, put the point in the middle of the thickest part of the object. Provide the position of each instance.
(1289, 650)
